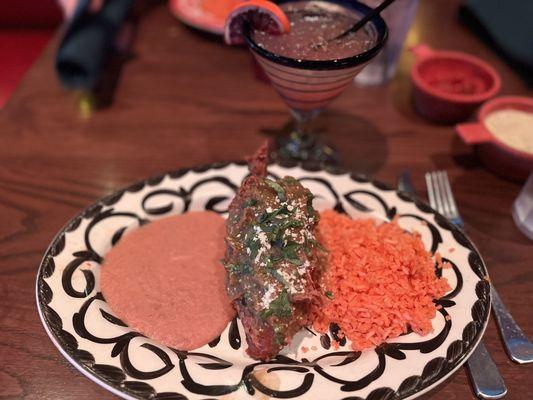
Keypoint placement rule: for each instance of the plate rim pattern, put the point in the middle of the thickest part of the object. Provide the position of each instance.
(116, 380)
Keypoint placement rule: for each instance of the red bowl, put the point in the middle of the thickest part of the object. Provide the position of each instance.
(449, 85)
(498, 157)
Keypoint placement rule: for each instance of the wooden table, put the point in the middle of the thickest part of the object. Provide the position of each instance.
(185, 100)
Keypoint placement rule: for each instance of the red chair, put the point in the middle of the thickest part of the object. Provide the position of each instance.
(26, 26)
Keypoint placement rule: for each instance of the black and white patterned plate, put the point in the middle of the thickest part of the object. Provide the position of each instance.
(83, 327)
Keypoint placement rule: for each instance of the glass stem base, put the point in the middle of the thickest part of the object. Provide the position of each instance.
(304, 145)
(306, 148)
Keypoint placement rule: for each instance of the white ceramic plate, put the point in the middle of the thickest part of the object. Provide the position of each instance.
(84, 329)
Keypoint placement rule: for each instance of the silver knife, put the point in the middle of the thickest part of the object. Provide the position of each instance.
(517, 345)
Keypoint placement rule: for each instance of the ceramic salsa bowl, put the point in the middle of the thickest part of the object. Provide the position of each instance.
(449, 85)
(496, 155)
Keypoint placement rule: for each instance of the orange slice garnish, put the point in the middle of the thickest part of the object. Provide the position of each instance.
(261, 15)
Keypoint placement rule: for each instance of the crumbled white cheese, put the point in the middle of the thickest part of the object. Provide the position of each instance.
(263, 241)
(302, 269)
(291, 282)
(282, 271)
(298, 289)
(298, 214)
(268, 296)
(259, 254)
(294, 237)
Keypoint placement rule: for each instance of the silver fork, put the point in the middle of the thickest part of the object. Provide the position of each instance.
(483, 372)
(516, 343)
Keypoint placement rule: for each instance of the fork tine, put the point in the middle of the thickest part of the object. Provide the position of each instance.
(453, 205)
(431, 194)
(439, 195)
(445, 193)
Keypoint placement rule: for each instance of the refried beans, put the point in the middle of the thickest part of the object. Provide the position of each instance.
(165, 280)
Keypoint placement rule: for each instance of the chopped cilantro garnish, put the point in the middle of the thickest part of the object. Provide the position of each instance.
(238, 268)
(276, 257)
(278, 276)
(290, 180)
(279, 338)
(269, 216)
(275, 227)
(280, 307)
(269, 264)
(250, 203)
(290, 249)
(290, 253)
(274, 233)
(329, 294)
(307, 249)
(316, 244)
(310, 209)
(295, 261)
(253, 243)
(292, 224)
(277, 187)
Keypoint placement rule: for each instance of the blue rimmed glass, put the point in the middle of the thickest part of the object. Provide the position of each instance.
(308, 86)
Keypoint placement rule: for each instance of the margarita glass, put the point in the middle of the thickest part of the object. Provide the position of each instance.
(308, 68)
